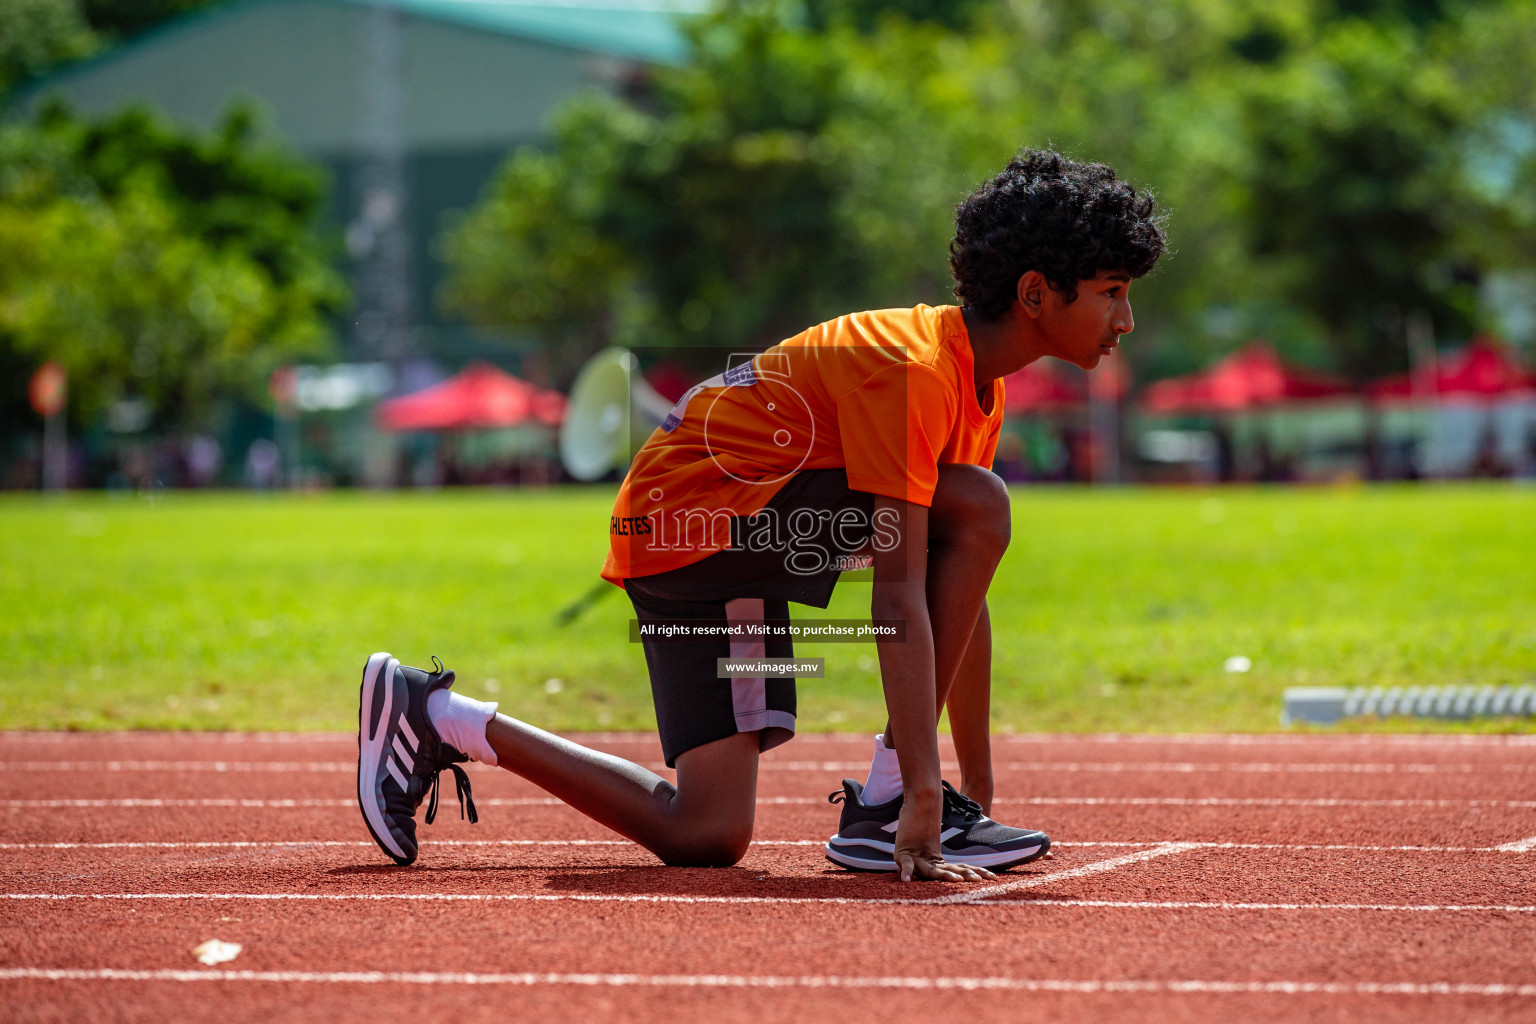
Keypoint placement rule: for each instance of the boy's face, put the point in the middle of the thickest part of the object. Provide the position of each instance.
(1086, 330)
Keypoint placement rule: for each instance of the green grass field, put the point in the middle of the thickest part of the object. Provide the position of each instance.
(1112, 611)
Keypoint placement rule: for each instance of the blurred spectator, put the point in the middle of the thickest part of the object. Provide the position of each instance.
(1410, 455)
(262, 462)
(1273, 468)
(429, 471)
(1077, 467)
(25, 473)
(1226, 458)
(1011, 462)
(1047, 449)
(204, 460)
(1375, 448)
(1488, 463)
(137, 467)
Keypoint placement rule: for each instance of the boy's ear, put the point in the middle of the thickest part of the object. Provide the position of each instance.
(1031, 293)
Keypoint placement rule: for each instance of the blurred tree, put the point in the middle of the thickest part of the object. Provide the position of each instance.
(1414, 12)
(1313, 155)
(866, 15)
(119, 18)
(157, 264)
(1357, 187)
(704, 217)
(1491, 62)
(788, 175)
(1154, 91)
(227, 189)
(37, 34)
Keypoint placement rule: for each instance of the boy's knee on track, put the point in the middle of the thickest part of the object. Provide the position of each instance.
(716, 848)
(718, 838)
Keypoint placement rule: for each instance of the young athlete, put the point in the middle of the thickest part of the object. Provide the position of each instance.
(864, 440)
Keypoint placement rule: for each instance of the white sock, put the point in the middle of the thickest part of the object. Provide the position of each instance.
(884, 782)
(460, 721)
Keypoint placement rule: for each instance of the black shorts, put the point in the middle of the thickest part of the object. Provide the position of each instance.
(748, 582)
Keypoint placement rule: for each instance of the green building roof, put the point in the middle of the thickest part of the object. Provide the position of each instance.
(477, 72)
(642, 29)
(645, 30)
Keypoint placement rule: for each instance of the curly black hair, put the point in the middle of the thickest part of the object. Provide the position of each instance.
(1066, 219)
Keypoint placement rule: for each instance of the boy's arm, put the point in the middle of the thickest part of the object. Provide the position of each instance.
(970, 710)
(907, 673)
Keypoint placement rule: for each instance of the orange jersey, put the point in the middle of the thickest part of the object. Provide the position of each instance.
(888, 395)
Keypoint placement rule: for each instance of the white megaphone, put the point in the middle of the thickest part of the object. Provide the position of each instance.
(612, 411)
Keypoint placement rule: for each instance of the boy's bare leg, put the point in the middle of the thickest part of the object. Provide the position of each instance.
(970, 714)
(704, 821)
(969, 525)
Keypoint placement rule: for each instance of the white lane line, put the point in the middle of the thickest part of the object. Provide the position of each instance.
(1267, 767)
(178, 766)
(1406, 908)
(344, 843)
(438, 897)
(1524, 846)
(1214, 801)
(1259, 739)
(313, 739)
(153, 737)
(1185, 767)
(305, 897)
(819, 981)
(1518, 846)
(283, 804)
(1041, 801)
(200, 802)
(1098, 867)
(1036, 767)
(1300, 847)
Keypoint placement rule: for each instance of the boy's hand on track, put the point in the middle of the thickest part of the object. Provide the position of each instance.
(917, 847)
(912, 864)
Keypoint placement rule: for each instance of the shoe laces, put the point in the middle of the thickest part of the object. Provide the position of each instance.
(461, 788)
(957, 803)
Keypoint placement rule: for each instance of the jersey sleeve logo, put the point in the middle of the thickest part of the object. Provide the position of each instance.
(738, 376)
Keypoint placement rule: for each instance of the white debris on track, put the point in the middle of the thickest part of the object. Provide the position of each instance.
(216, 951)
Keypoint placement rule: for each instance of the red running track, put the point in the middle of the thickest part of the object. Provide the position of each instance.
(1200, 878)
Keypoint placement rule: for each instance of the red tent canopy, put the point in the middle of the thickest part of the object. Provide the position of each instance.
(1484, 369)
(1039, 387)
(479, 396)
(1252, 376)
(1046, 386)
(671, 380)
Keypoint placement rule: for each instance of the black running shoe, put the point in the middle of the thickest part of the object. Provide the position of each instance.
(400, 755)
(865, 839)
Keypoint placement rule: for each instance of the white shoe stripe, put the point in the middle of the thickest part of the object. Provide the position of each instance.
(945, 836)
(873, 844)
(982, 857)
(406, 760)
(410, 736)
(394, 770)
